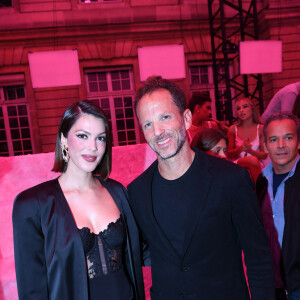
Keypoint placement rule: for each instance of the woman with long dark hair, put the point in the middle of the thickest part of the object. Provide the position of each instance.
(74, 236)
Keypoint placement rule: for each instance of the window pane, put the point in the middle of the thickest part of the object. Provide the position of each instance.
(20, 92)
(1, 123)
(115, 75)
(17, 146)
(204, 78)
(203, 69)
(92, 76)
(101, 76)
(122, 136)
(107, 113)
(127, 101)
(3, 148)
(194, 70)
(93, 86)
(14, 92)
(116, 86)
(131, 135)
(124, 74)
(118, 102)
(2, 135)
(130, 124)
(25, 133)
(22, 110)
(13, 123)
(125, 85)
(1, 112)
(18, 153)
(5, 3)
(119, 114)
(27, 145)
(15, 134)
(11, 94)
(12, 110)
(195, 79)
(129, 113)
(120, 125)
(24, 122)
(104, 103)
(103, 86)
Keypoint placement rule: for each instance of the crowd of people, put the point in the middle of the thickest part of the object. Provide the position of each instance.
(189, 216)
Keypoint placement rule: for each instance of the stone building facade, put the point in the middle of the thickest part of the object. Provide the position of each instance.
(107, 35)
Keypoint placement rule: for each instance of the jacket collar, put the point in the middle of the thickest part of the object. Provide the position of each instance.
(204, 165)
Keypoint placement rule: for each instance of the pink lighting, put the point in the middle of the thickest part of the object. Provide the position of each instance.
(260, 57)
(54, 68)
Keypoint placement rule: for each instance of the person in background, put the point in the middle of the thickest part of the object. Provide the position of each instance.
(278, 192)
(296, 107)
(200, 106)
(214, 142)
(75, 236)
(211, 141)
(283, 100)
(195, 211)
(245, 139)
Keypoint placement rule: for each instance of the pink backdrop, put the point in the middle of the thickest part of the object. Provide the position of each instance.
(21, 172)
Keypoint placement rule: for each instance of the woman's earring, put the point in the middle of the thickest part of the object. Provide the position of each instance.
(65, 153)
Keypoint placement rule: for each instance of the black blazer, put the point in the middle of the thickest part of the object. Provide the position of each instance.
(49, 257)
(224, 221)
(291, 233)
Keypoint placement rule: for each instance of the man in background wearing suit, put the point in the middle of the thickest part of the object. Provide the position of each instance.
(196, 212)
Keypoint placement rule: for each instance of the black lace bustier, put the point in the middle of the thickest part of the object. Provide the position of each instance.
(103, 250)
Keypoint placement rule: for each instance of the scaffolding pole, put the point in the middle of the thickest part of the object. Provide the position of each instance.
(227, 21)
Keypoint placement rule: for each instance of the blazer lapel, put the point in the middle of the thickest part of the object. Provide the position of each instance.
(197, 207)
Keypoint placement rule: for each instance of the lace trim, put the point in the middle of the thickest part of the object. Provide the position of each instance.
(104, 250)
(86, 229)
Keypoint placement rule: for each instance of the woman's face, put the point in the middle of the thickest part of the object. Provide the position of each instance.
(244, 110)
(86, 143)
(219, 149)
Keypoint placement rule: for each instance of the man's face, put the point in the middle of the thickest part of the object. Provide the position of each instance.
(204, 111)
(163, 126)
(282, 144)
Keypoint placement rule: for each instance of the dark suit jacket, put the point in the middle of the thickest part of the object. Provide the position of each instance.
(224, 221)
(291, 233)
(49, 257)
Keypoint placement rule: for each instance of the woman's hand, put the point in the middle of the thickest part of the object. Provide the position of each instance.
(247, 146)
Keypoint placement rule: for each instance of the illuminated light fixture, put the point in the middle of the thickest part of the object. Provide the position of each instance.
(166, 61)
(54, 68)
(260, 56)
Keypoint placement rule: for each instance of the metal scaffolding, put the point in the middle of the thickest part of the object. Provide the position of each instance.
(241, 23)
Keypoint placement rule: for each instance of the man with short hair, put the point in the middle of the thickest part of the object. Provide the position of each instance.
(200, 107)
(196, 212)
(278, 192)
